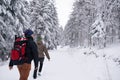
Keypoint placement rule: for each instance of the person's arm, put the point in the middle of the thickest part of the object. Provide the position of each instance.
(10, 65)
(35, 54)
(46, 53)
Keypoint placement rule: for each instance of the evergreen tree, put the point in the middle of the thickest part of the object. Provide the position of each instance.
(13, 20)
(78, 27)
(90, 18)
(98, 32)
(45, 22)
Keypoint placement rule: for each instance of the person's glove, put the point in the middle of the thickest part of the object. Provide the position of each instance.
(35, 73)
(10, 67)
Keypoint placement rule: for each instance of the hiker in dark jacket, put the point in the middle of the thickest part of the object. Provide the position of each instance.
(30, 54)
(42, 52)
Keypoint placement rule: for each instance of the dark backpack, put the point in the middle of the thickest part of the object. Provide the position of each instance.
(18, 51)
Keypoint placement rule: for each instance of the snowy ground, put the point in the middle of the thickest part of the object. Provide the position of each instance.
(74, 64)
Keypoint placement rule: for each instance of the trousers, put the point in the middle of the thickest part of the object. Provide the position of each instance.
(41, 60)
(24, 71)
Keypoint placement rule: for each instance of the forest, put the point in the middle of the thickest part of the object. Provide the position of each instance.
(92, 23)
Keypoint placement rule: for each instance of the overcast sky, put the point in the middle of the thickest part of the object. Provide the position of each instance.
(64, 8)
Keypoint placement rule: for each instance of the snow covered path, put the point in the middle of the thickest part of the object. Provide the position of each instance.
(70, 64)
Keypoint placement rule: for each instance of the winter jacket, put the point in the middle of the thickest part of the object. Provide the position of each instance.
(42, 50)
(31, 52)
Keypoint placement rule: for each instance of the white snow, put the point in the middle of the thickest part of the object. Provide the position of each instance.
(74, 64)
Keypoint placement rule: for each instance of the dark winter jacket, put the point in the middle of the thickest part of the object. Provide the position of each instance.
(42, 50)
(31, 52)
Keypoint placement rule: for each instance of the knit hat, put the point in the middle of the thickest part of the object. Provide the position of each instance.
(28, 32)
(39, 40)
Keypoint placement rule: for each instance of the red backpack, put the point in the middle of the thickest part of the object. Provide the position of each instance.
(18, 51)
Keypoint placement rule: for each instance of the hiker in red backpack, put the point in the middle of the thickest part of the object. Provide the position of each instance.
(31, 53)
